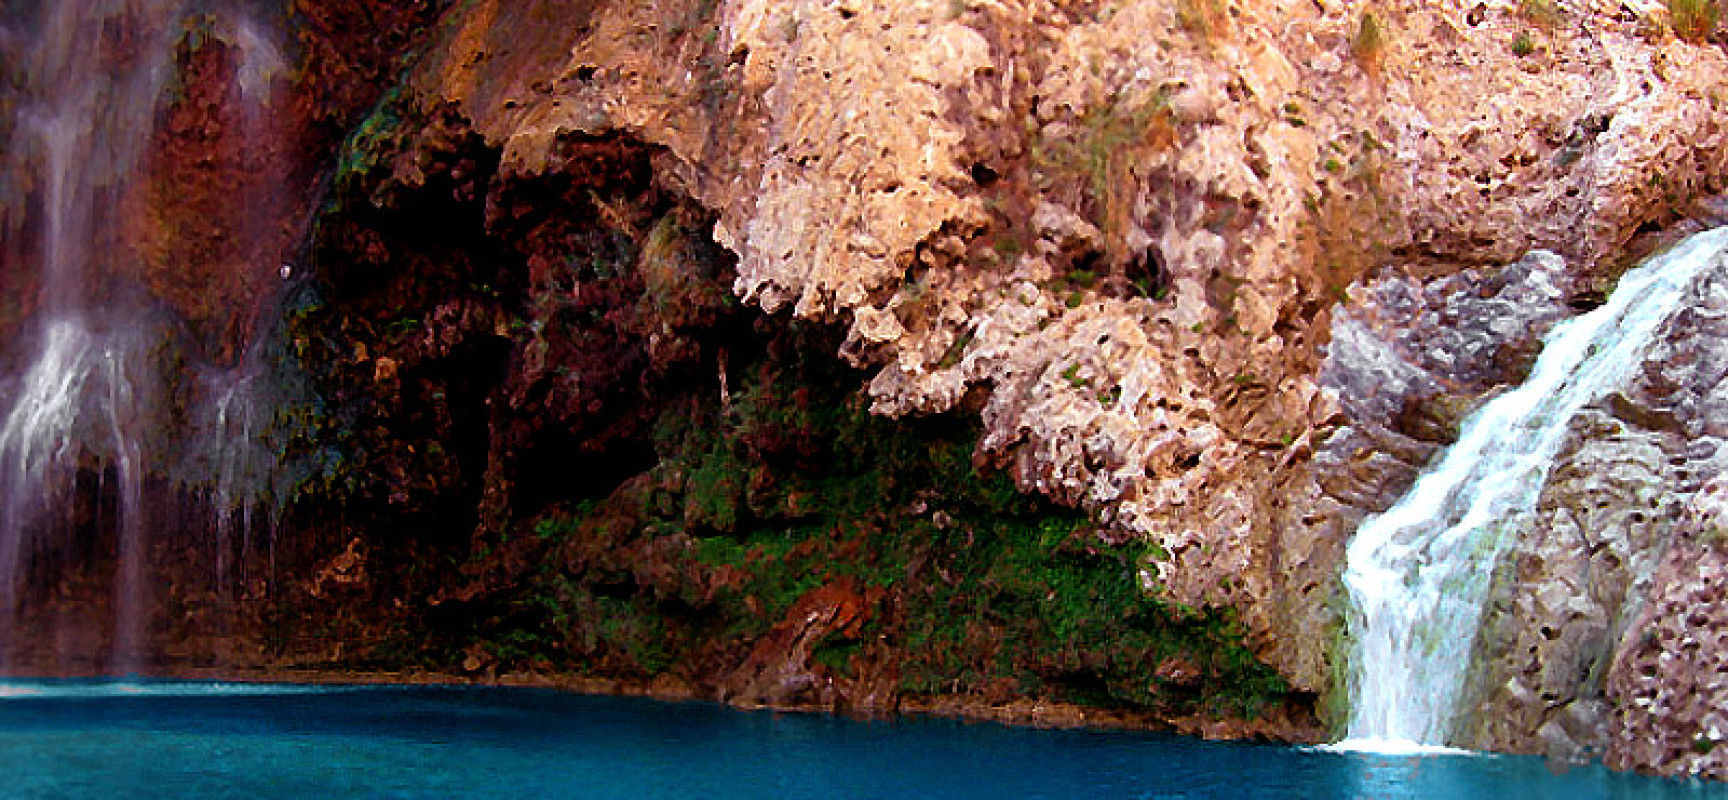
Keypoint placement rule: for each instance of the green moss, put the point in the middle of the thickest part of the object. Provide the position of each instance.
(1693, 20)
(375, 140)
(1007, 588)
(1040, 596)
(836, 652)
(795, 486)
(716, 488)
(1072, 375)
(1368, 44)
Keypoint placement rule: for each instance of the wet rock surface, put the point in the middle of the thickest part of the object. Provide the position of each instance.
(1575, 595)
(1408, 358)
(1222, 278)
(1565, 593)
(227, 179)
(1665, 680)
(1134, 251)
(567, 449)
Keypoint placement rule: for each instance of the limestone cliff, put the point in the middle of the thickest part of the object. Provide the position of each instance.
(1130, 225)
(1222, 276)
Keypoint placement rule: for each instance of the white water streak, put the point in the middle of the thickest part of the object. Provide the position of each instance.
(85, 122)
(94, 75)
(1418, 573)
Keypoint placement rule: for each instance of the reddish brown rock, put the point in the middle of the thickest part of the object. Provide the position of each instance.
(1129, 239)
(219, 207)
(781, 670)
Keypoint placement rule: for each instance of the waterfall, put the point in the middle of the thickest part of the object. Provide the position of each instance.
(91, 80)
(1418, 573)
(83, 124)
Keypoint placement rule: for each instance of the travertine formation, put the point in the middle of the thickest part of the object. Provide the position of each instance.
(1133, 227)
(1566, 594)
(1129, 225)
(1667, 682)
(1224, 273)
(1406, 361)
(1580, 599)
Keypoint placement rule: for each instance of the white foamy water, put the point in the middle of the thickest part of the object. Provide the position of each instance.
(84, 122)
(1397, 748)
(1418, 573)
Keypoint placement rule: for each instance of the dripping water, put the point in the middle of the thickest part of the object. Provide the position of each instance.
(91, 395)
(92, 83)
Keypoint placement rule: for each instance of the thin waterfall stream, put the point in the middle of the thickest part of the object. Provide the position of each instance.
(1418, 573)
(99, 357)
(88, 116)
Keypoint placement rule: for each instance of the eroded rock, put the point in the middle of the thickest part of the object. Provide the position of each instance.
(1134, 242)
(1127, 228)
(1666, 687)
(1566, 598)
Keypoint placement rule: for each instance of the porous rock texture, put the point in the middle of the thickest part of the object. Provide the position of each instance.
(1580, 597)
(1665, 683)
(1565, 594)
(1129, 224)
(1407, 360)
(1224, 274)
(1669, 681)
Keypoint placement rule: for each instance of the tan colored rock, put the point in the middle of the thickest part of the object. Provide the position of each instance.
(1133, 231)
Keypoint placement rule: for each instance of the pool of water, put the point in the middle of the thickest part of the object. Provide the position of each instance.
(81, 739)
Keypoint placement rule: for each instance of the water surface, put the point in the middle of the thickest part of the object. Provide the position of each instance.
(80, 739)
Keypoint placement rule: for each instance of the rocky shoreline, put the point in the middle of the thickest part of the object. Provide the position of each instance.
(1028, 713)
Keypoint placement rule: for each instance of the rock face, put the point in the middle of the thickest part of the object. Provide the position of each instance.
(226, 179)
(1666, 683)
(1222, 275)
(1129, 226)
(1573, 602)
(1406, 362)
(568, 449)
(159, 166)
(1565, 595)
(779, 667)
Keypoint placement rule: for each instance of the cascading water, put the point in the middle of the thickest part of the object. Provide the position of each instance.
(86, 118)
(77, 395)
(1419, 572)
(233, 461)
(90, 86)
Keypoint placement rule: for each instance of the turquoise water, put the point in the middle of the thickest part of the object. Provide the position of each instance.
(76, 739)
